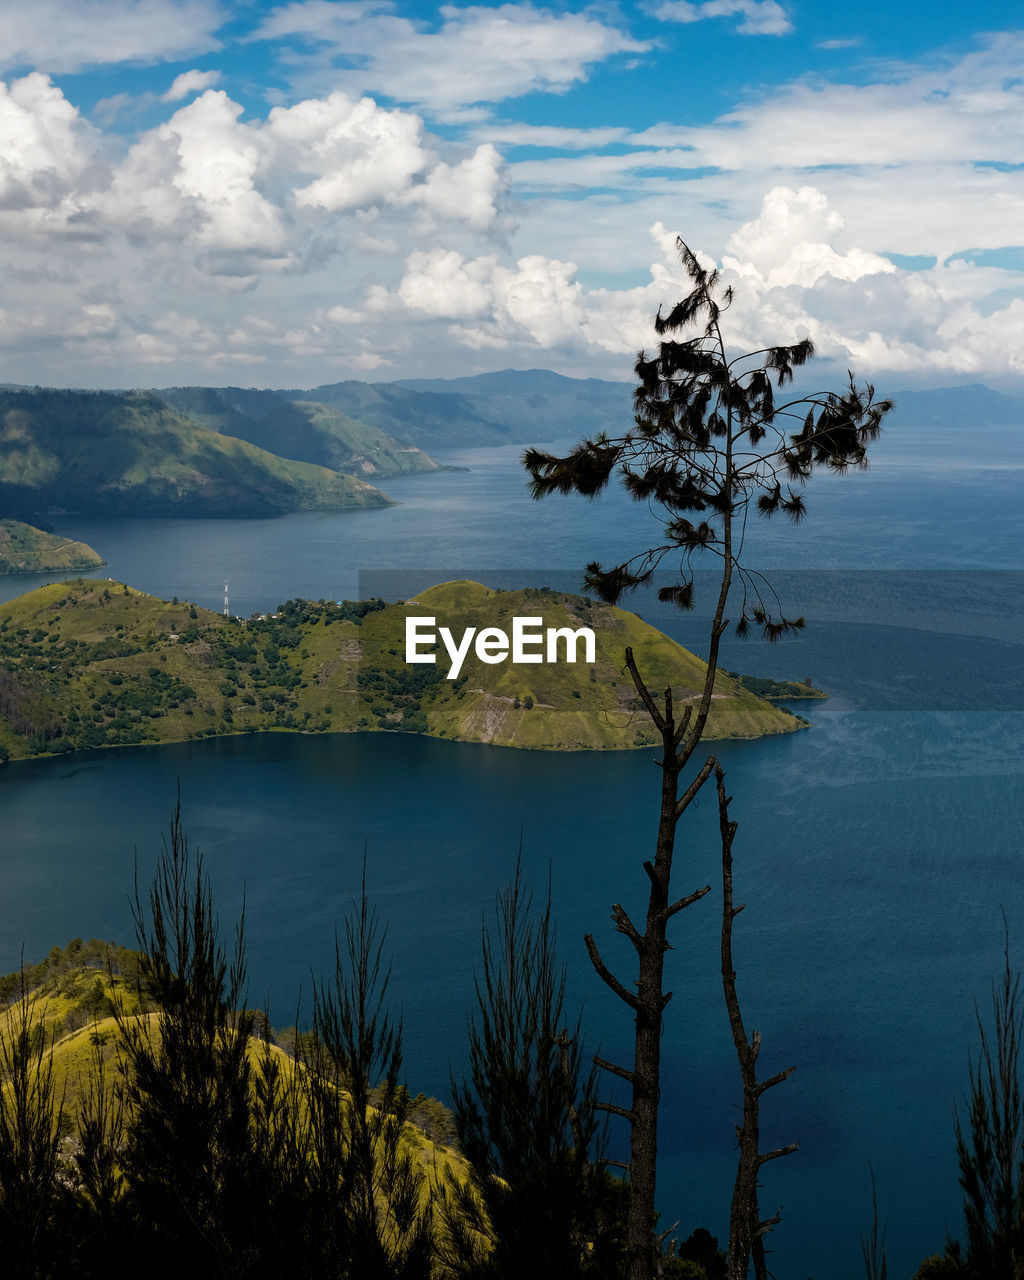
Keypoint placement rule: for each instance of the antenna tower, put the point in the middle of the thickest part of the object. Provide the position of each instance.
(226, 614)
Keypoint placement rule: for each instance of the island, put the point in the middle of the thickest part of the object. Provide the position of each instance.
(93, 663)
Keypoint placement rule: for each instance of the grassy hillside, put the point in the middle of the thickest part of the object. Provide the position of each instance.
(128, 454)
(301, 429)
(24, 549)
(94, 663)
(72, 995)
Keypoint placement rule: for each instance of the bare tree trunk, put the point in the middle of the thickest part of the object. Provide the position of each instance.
(746, 1228)
(648, 1001)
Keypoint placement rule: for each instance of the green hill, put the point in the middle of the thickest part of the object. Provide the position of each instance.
(24, 549)
(300, 429)
(129, 454)
(93, 663)
(72, 994)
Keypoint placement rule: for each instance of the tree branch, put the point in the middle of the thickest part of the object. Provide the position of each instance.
(779, 1151)
(686, 799)
(644, 692)
(683, 903)
(778, 1078)
(624, 925)
(621, 1072)
(605, 974)
(613, 1110)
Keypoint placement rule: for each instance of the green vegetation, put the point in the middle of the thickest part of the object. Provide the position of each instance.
(128, 454)
(94, 663)
(777, 690)
(142, 1105)
(24, 549)
(301, 429)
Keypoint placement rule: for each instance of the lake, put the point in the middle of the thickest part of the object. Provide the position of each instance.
(875, 851)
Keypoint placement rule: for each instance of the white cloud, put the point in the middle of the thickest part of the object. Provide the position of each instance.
(971, 110)
(288, 192)
(45, 148)
(335, 232)
(440, 283)
(190, 82)
(548, 136)
(469, 190)
(195, 177)
(68, 35)
(537, 301)
(361, 154)
(789, 243)
(478, 54)
(760, 17)
(860, 310)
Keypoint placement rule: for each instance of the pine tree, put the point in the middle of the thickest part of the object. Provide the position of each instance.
(189, 1153)
(537, 1201)
(990, 1147)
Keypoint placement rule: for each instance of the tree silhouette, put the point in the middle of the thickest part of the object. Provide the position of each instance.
(536, 1201)
(31, 1109)
(367, 1201)
(990, 1147)
(711, 442)
(189, 1157)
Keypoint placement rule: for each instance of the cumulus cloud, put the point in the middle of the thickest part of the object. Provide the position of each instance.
(276, 191)
(477, 54)
(212, 205)
(760, 17)
(45, 148)
(789, 243)
(792, 278)
(538, 300)
(196, 177)
(190, 82)
(68, 35)
(468, 190)
(336, 232)
(361, 153)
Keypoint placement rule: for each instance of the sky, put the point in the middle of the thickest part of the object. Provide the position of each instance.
(236, 192)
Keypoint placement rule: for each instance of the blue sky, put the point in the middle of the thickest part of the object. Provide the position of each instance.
(282, 195)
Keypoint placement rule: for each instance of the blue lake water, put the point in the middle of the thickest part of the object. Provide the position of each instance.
(875, 850)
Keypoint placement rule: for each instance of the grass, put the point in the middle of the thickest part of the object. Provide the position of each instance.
(71, 996)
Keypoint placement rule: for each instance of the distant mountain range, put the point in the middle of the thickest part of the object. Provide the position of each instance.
(234, 451)
(511, 407)
(974, 404)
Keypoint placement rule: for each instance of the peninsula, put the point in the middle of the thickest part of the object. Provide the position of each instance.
(95, 663)
(25, 549)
